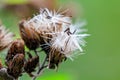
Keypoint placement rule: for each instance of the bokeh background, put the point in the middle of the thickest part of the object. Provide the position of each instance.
(101, 60)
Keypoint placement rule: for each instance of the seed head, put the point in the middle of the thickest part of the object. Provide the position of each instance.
(36, 31)
(29, 35)
(49, 21)
(68, 41)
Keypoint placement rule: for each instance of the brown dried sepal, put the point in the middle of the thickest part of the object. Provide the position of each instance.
(29, 35)
(17, 47)
(16, 65)
(55, 58)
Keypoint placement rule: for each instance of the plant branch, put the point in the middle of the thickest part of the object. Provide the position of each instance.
(43, 66)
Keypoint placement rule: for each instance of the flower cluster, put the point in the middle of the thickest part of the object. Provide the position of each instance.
(53, 32)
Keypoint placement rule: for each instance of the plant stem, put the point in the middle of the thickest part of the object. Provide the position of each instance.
(41, 68)
(36, 53)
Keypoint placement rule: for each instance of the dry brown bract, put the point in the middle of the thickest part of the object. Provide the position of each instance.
(29, 35)
(17, 47)
(16, 65)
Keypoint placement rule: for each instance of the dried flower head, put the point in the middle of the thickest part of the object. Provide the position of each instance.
(31, 64)
(17, 47)
(5, 37)
(35, 32)
(49, 21)
(55, 57)
(15, 68)
(56, 35)
(66, 42)
(29, 35)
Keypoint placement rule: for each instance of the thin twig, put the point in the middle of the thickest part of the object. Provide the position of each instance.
(41, 68)
(36, 53)
(38, 56)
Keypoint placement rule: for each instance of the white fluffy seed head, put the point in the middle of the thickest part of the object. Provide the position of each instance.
(65, 36)
(69, 41)
(49, 21)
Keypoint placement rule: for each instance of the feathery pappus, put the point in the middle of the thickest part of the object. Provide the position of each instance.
(55, 33)
(35, 31)
(63, 45)
(49, 21)
(66, 42)
(17, 47)
(6, 37)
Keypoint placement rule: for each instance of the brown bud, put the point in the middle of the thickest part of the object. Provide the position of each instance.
(29, 35)
(15, 68)
(55, 58)
(16, 48)
(31, 64)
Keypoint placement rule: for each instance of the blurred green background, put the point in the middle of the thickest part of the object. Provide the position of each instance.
(102, 58)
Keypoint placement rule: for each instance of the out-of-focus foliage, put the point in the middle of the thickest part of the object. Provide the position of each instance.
(14, 1)
(102, 58)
